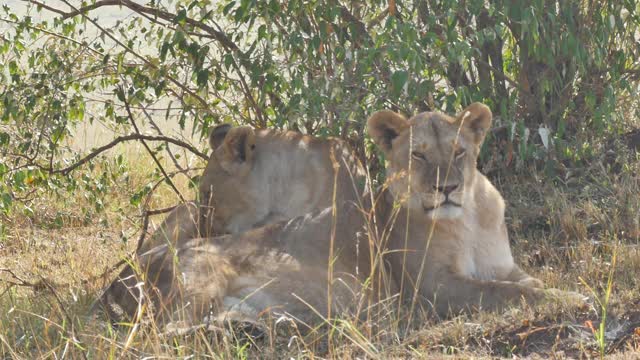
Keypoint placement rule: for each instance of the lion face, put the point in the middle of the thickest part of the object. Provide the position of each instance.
(432, 157)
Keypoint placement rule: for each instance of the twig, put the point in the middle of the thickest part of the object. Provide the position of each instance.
(132, 52)
(116, 141)
(145, 215)
(143, 234)
(52, 34)
(151, 153)
(157, 128)
(125, 260)
(247, 92)
(44, 6)
(18, 281)
(217, 35)
(161, 211)
(70, 333)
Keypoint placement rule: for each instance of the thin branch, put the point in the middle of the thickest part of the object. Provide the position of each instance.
(376, 20)
(360, 27)
(144, 59)
(143, 233)
(146, 212)
(161, 211)
(17, 280)
(248, 94)
(86, 9)
(127, 259)
(217, 35)
(44, 6)
(52, 34)
(157, 128)
(151, 153)
(124, 138)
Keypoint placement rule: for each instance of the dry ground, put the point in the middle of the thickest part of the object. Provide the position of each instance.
(580, 231)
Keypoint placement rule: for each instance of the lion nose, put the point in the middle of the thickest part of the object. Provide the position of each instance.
(445, 189)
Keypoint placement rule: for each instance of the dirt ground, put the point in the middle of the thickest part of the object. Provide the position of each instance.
(579, 231)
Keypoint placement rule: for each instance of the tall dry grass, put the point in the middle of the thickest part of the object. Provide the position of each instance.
(561, 233)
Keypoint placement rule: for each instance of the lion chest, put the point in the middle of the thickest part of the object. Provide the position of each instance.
(484, 254)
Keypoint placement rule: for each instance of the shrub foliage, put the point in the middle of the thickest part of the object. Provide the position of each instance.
(554, 72)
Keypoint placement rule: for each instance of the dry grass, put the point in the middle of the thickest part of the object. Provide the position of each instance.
(564, 232)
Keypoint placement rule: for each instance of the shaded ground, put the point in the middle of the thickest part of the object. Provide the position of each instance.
(574, 232)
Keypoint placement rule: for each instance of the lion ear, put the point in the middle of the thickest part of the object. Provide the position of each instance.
(384, 126)
(217, 135)
(237, 147)
(477, 118)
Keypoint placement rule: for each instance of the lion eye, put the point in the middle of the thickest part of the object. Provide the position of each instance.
(460, 153)
(418, 156)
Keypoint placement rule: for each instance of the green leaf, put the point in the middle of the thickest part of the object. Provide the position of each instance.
(203, 78)
(228, 7)
(4, 138)
(398, 80)
(181, 17)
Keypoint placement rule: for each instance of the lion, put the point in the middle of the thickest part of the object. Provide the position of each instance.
(449, 244)
(435, 234)
(258, 177)
(272, 271)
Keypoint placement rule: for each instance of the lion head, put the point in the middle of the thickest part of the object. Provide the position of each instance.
(432, 157)
(229, 166)
(256, 177)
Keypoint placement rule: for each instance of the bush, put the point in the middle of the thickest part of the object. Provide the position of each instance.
(554, 72)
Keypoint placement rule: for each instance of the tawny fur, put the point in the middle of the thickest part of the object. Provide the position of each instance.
(453, 256)
(258, 177)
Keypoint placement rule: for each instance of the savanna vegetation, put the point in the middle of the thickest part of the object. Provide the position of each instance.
(561, 76)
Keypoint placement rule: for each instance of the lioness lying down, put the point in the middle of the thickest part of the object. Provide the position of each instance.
(439, 229)
(257, 177)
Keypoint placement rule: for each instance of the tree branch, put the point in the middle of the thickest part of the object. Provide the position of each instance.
(142, 58)
(44, 6)
(211, 32)
(141, 9)
(17, 280)
(124, 138)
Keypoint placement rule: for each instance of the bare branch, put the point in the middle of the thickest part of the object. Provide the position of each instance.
(157, 128)
(141, 9)
(121, 139)
(209, 31)
(86, 9)
(161, 211)
(45, 6)
(142, 58)
(125, 260)
(17, 280)
(52, 34)
(151, 153)
(143, 233)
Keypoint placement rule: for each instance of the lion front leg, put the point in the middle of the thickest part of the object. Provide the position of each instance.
(455, 293)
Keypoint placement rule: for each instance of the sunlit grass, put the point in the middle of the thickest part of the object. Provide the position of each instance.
(567, 236)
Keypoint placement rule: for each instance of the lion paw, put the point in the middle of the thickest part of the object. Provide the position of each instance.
(532, 282)
(571, 298)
